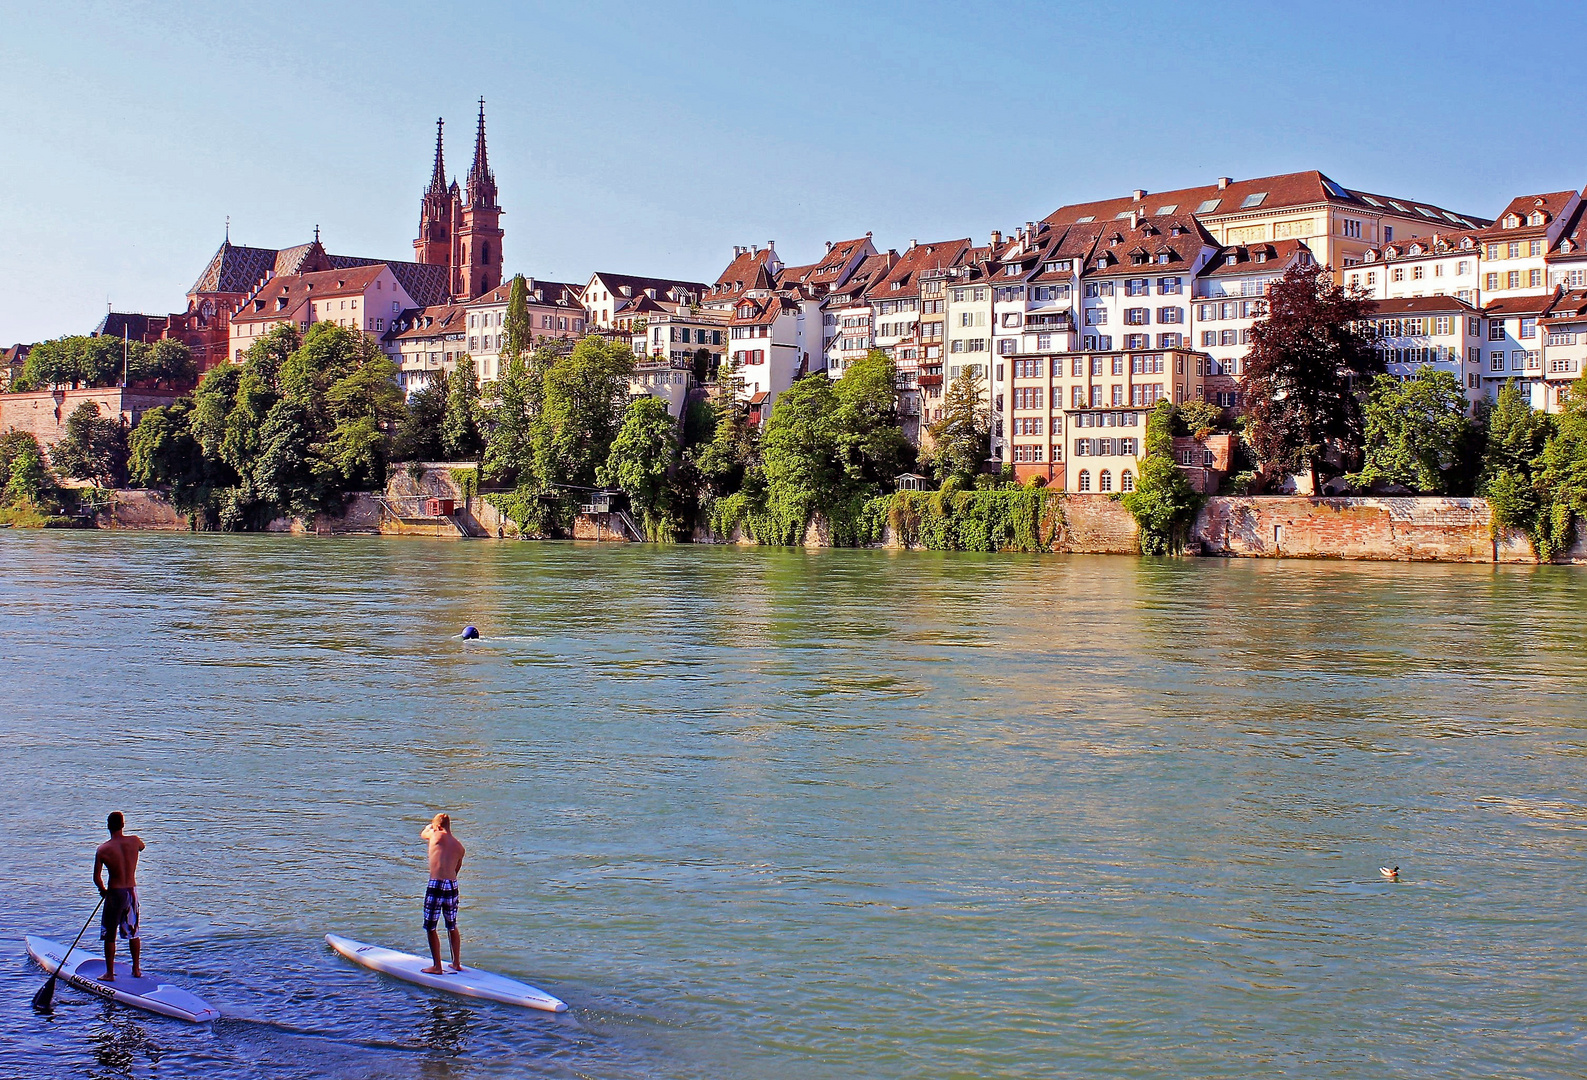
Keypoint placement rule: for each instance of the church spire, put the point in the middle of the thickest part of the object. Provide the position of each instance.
(481, 182)
(438, 178)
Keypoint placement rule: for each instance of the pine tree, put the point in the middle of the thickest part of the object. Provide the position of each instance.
(518, 327)
(962, 439)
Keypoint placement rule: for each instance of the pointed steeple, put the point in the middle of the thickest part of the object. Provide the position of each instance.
(481, 181)
(438, 178)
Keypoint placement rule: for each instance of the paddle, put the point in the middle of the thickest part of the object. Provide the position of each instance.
(44, 1000)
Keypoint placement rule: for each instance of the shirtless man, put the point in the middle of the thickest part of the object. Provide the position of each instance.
(440, 896)
(119, 858)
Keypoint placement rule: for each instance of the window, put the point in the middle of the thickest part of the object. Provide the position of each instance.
(1027, 425)
(1441, 324)
(1534, 360)
(1136, 341)
(1007, 346)
(1147, 365)
(1082, 448)
(1084, 483)
(1397, 274)
(1529, 327)
(1228, 337)
(1077, 397)
(1078, 366)
(1027, 452)
(1534, 279)
(1170, 315)
(1517, 359)
(1496, 360)
(1126, 481)
(1512, 280)
(1352, 229)
(1118, 365)
(1044, 342)
(1105, 481)
(1096, 397)
(1169, 286)
(1372, 278)
(1028, 369)
(1416, 273)
(1027, 397)
(1209, 338)
(1099, 316)
(1118, 393)
(1253, 200)
(1490, 281)
(1137, 286)
(1495, 329)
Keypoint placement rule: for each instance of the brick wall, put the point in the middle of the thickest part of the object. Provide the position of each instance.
(44, 412)
(1096, 524)
(1444, 530)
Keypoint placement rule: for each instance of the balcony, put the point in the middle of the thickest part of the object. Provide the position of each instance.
(931, 380)
(1045, 324)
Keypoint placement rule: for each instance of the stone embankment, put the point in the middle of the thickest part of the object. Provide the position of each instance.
(1276, 526)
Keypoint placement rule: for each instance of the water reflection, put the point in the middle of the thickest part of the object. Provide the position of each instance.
(120, 1043)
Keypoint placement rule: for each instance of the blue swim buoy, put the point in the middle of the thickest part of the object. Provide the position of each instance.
(469, 633)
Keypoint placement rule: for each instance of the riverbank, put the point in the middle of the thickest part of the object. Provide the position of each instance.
(440, 501)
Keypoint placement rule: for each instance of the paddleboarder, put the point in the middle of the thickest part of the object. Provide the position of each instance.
(118, 857)
(440, 895)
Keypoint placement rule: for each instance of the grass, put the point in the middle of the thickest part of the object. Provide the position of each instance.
(28, 517)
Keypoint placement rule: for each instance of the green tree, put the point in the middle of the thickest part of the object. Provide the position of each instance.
(1563, 475)
(165, 454)
(1307, 357)
(642, 459)
(460, 438)
(962, 440)
(799, 455)
(1512, 459)
(166, 361)
(579, 414)
(419, 434)
(1163, 503)
(1416, 430)
(518, 327)
(870, 446)
(25, 479)
(94, 447)
(509, 449)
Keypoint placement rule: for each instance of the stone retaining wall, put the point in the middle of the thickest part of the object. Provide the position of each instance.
(43, 413)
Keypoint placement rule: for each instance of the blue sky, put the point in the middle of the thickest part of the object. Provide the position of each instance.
(652, 138)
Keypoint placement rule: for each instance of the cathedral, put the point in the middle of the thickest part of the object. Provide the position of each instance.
(457, 253)
(461, 230)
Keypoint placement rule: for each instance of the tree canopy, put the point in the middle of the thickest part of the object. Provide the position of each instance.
(82, 361)
(1416, 431)
(1305, 373)
(962, 440)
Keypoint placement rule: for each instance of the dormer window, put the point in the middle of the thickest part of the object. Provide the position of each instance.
(1511, 221)
(1013, 270)
(1164, 256)
(1231, 259)
(1537, 218)
(1261, 256)
(1177, 230)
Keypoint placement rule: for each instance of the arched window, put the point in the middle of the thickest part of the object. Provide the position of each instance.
(1085, 480)
(1105, 481)
(1126, 481)
(484, 253)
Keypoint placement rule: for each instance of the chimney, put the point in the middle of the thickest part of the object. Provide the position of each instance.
(912, 243)
(829, 245)
(770, 244)
(1135, 219)
(997, 237)
(1224, 181)
(1138, 194)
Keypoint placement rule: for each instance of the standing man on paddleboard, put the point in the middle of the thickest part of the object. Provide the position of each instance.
(118, 856)
(440, 895)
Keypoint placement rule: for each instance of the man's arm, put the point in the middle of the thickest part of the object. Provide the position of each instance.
(427, 833)
(99, 861)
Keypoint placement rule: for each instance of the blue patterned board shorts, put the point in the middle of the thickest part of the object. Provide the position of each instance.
(120, 915)
(440, 902)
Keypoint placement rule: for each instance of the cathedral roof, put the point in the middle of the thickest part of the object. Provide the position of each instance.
(235, 269)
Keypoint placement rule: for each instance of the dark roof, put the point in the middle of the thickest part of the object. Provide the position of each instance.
(872, 269)
(425, 282)
(555, 293)
(1420, 247)
(1420, 305)
(1287, 189)
(1571, 305)
(638, 285)
(129, 324)
(235, 269)
(430, 322)
(1275, 256)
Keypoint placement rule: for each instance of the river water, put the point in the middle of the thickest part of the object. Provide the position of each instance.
(773, 813)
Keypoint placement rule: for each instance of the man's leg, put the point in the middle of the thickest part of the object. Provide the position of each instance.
(435, 952)
(457, 948)
(136, 945)
(110, 956)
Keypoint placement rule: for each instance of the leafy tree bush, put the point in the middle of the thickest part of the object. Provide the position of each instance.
(419, 434)
(962, 440)
(1198, 418)
(1511, 463)
(26, 482)
(460, 437)
(1163, 503)
(300, 422)
(94, 447)
(642, 460)
(1416, 431)
(1306, 358)
(84, 361)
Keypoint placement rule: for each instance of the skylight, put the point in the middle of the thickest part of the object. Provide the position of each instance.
(1209, 206)
(1398, 206)
(1121, 216)
(1451, 217)
(1372, 201)
(1088, 217)
(1425, 212)
(1335, 190)
(1254, 199)
(1163, 211)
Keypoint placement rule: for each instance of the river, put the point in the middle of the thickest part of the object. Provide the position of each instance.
(778, 813)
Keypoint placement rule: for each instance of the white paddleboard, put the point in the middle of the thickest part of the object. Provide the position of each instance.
(86, 971)
(470, 982)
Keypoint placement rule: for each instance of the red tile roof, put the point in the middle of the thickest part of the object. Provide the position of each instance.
(1420, 305)
(1274, 257)
(1552, 205)
(265, 305)
(1519, 305)
(1276, 192)
(431, 322)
